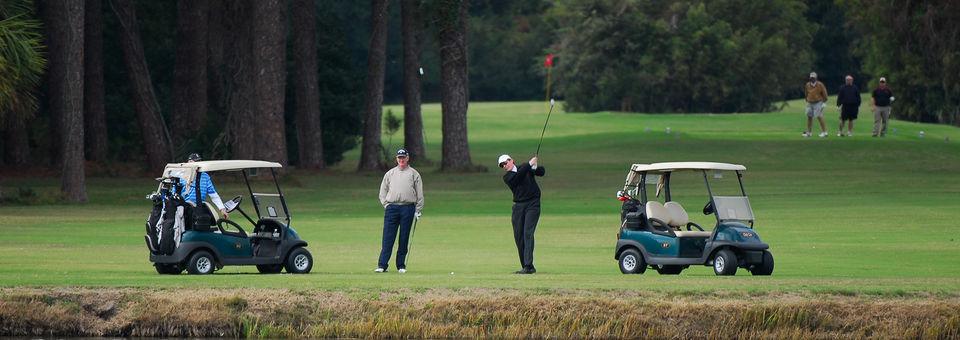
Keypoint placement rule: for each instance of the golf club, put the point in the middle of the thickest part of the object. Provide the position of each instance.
(544, 127)
(413, 231)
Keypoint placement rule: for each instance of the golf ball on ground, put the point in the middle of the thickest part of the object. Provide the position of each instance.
(451, 273)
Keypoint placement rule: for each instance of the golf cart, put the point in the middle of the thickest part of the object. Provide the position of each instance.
(656, 231)
(181, 235)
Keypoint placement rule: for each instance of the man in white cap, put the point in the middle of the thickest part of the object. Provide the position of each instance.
(526, 205)
(401, 194)
(882, 98)
(816, 95)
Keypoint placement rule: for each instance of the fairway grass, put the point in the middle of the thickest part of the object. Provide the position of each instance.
(853, 215)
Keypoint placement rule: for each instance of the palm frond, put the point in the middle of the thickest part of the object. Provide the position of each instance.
(22, 62)
(12, 8)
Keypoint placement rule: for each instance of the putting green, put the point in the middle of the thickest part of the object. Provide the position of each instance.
(855, 214)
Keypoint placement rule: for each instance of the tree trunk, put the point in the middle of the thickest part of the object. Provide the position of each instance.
(239, 71)
(65, 44)
(370, 156)
(217, 82)
(16, 145)
(94, 114)
(412, 33)
(156, 141)
(454, 87)
(190, 71)
(305, 91)
(270, 53)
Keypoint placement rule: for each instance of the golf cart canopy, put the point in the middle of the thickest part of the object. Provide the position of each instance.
(186, 171)
(633, 178)
(206, 166)
(677, 166)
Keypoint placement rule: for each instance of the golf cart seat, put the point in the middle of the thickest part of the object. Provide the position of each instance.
(680, 219)
(213, 211)
(656, 211)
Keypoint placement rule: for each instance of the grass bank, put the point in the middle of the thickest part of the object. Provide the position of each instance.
(458, 313)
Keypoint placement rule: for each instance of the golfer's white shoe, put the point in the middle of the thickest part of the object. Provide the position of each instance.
(402, 270)
(823, 134)
(379, 270)
(805, 134)
(839, 134)
(849, 134)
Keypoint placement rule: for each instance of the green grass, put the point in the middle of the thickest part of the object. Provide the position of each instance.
(860, 215)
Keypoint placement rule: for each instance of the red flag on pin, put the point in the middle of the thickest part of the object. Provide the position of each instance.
(548, 62)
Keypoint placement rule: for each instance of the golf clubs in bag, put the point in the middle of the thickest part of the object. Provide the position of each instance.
(165, 222)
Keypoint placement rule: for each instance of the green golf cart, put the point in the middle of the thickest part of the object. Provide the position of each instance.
(183, 235)
(656, 231)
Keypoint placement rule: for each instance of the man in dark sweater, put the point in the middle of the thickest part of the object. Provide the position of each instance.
(882, 98)
(848, 99)
(526, 206)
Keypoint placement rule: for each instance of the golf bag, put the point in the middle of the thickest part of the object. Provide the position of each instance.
(630, 214)
(165, 224)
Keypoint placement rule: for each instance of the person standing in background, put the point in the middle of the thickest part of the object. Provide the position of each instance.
(816, 96)
(882, 98)
(848, 99)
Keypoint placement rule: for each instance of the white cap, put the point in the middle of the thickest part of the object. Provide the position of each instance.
(813, 74)
(883, 79)
(503, 158)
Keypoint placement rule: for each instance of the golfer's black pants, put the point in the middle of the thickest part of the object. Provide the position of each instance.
(525, 218)
(396, 217)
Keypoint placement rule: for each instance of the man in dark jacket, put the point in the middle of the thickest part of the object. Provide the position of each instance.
(848, 99)
(526, 205)
(882, 98)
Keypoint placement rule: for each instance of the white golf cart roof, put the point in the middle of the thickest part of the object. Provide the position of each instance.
(205, 166)
(633, 177)
(678, 166)
(186, 171)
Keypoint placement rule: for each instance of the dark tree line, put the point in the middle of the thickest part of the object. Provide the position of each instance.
(916, 45)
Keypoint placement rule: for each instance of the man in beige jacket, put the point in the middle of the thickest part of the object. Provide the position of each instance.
(401, 194)
(816, 96)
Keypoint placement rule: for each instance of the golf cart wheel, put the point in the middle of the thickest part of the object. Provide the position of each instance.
(765, 267)
(299, 261)
(269, 268)
(669, 269)
(168, 268)
(631, 262)
(201, 263)
(725, 263)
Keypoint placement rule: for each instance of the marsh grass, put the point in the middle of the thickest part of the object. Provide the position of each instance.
(446, 313)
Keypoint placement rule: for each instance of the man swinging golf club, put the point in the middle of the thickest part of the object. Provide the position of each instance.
(526, 205)
(401, 194)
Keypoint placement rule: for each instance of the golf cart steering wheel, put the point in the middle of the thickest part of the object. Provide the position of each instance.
(234, 203)
(239, 232)
(708, 209)
(691, 224)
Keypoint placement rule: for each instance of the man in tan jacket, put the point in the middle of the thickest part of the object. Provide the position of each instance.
(401, 194)
(816, 95)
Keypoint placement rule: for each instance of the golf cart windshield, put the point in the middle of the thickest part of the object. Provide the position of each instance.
(270, 206)
(733, 208)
